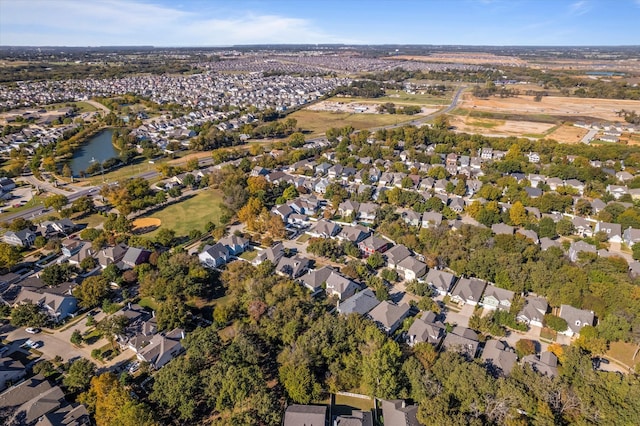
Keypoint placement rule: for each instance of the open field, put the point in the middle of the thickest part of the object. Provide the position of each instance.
(82, 106)
(475, 58)
(623, 352)
(580, 108)
(489, 126)
(398, 97)
(146, 222)
(192, 213)
(317, 122)
(567, 134)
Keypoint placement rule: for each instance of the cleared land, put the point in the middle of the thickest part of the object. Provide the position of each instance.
(490, 127)
(192, 213)
(317, 122)
(146, 222)
(475, 58)
(624, 352)
(562, 107)
(568, 134)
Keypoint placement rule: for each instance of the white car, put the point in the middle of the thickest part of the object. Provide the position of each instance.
(32, 330)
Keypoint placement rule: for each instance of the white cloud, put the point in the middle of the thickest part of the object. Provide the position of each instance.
(121, 22)
(580, 7)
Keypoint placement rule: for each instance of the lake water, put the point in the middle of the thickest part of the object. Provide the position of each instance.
(98, 148)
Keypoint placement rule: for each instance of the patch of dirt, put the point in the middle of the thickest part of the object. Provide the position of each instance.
(568, 134)
(146, 224)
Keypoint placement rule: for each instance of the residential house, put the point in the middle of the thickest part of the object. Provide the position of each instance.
(426, 329)
(546, 243)
(389, 316)
(305, 415)
(441, 281)
(554, 183)
(111, 255)
(411, 268)
(624, 176)
(50, 228)
(431, 219)
(292, 267)
(6, 185)
(580, 247)
(463, 340)
(533, 192)
(162, 348)
(499, 357)
(397, 413)
(272, 254)
(456, 204)
(502, 229)
(497, 298)
(11, 371)
(315, 279)
(214, 256)
(56, 306)
(536, 180)
(339, 286)
(349, 208)
(529, 234)
(298, 220)
(368, 212)
(323, 229)
(575, 318)
(135, 256)
(353, 233)
(71, 246)
(356, 418)
(321, 186)
(613, 231)
(597, 205)
(468, 290)
(533, 157)
(631, 236)
(486, 153)
(576, 185)
(411, 218)
(236, 245)
(634, 269)
(582, 227)
(617, 190)
(361, 303)
(22, 238)
(396, 254)
(284, 211)
(372, 245)
(36, 401)
(546, 363)
(533, 311)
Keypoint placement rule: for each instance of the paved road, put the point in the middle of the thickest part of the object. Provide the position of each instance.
(33, 212)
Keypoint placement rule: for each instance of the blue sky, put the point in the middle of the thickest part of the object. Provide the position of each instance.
(224, 23)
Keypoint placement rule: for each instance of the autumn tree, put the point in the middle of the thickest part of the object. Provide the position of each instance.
(91, 292)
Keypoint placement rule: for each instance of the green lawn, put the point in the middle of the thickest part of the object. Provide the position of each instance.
(82, 106)
(192, 213)
(345, 404)
(148, 302)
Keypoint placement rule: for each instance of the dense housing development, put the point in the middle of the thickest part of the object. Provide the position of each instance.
(244, 258)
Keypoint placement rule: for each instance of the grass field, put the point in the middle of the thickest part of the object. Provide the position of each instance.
(190, 214)
(317, 122)
(623, 352)
(398, 97)
(345, 404)
(82, 106)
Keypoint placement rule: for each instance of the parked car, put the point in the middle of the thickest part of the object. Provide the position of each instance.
(133, 367)
(604, 360)
(32, 330)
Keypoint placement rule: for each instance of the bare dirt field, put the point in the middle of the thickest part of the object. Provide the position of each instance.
(365, 107)
(500, 127)
(473, 58)
(579, 108)
(568, 134)
(146, 224)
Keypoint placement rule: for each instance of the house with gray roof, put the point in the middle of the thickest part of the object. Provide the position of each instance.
(575, 318)
(361, 303)
(502, 229)
(323, 229)
(292, 267)
(398, 413)
(426, 329)
(348, 208)
(533, 311)
(462, 340)
(356, 418)
(529, 234)
(214, 256)
(396, 254)
(441, 281)
(111, 255)
(499, 358)
(582, 227)
(612, 230)
(497, 298)
(353, 233)
(631, 236)
(389, 316)
(313, 280)
(235, 244)
(305, 415)
(135, 256)
(468, 290)
(162, 348)
(546, 363)
(368, 212)
(272, 254)
(411, 268)
(580, 247)
(431, 219)
(11, 371)
(22, 238)
(339, 286)
(546, 243)
(56, 306)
